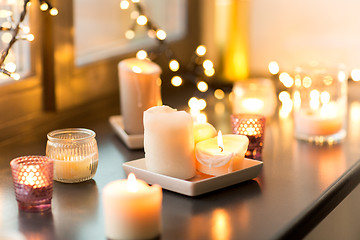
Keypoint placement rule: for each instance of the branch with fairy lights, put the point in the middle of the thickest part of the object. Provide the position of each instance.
(199, 69)
(17, 30)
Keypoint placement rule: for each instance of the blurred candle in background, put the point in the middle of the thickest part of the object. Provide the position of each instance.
(139, 90)
(320, 103)
(254, 96)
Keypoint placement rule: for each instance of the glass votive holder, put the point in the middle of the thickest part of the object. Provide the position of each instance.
(254, 96)
(320, 103)
(75, 154)
(33, 182)
(252, 126)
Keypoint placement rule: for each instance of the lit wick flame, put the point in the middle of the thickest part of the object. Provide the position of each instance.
(220, 141)
(132, 184)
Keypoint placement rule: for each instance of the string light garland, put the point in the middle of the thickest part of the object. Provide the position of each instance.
(197, 71)
(15, 31)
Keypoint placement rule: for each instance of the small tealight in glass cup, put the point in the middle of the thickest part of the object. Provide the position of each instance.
(75, 154)
(252, 126)
(320, 103)
(33, 182)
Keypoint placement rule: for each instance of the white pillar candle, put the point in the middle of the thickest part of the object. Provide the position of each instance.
(132, 209)
(139, 90)
(169, 142)
(222, 154)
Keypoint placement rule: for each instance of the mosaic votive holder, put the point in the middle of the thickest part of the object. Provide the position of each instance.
(252, 126)
(33, 182)
(75, 154)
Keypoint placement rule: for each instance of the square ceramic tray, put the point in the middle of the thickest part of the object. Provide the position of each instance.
(131, 141)
(197, 185)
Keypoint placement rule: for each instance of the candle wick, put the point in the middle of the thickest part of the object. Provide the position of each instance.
(221, 148)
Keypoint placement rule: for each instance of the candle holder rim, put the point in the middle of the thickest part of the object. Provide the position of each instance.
(127, 61)
(247, 115)
(52, 135)
(15, 162)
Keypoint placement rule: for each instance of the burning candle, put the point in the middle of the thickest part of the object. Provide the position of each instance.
(75, 154)
(132, 209)
(254, 96)
(222, 154)
(326, 121)
(320, 103)
(252, 126)
(139, 90)
(33, 181)
(169, 142)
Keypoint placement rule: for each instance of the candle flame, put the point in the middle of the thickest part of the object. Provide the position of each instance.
(132, 184)
(30, 177)
(220, 141)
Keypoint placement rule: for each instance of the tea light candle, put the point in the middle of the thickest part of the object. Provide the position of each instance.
(139, 90)
(252, 126)
(132, 209)
(33, 181)
(169, 142)
(222, 154)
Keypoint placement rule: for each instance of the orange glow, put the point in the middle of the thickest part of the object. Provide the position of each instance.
(236, 49)
(219, 94)
(274, 68)
(253, 105)
(32, 176)
(221, 228)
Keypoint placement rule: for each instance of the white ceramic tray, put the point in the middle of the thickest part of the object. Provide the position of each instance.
(197, 185)
(131, 141)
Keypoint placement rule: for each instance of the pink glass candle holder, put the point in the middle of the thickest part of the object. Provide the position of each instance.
(33, 182)
(252, 126)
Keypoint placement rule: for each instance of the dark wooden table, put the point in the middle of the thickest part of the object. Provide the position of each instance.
(300, 183)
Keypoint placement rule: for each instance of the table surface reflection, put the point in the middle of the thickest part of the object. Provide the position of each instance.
(300, 183)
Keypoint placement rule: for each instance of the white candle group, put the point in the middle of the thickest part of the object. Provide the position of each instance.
(139, 90)
(222, 154)
(169, 142)
(132, 209)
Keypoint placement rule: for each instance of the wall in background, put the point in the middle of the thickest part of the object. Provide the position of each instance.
(290, 32)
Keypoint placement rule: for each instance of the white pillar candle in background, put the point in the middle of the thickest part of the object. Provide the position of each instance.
(132, 209)
(222, 154)
(139, 90)
(169, 142)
